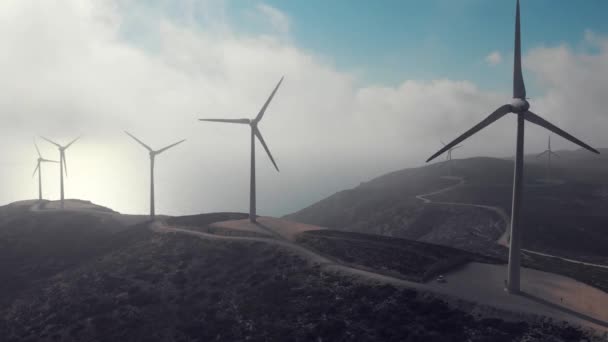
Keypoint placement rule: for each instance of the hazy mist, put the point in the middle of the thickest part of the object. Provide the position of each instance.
(96, 68)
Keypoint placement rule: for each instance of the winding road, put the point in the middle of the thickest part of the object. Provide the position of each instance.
(504, 238)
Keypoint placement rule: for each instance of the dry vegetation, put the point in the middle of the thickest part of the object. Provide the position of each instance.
(406, 259)
(74, 277)
(178, 288)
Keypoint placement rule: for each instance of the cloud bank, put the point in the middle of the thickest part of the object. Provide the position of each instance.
(99, 67)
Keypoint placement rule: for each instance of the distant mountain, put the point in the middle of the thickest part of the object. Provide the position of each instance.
(565, 215)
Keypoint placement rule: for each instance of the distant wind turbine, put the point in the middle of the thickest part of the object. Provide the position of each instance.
(153, 155)
(39, 169)
(519, 106)
(549, 153)
(448, 157)
(255, 133)
(62, 164)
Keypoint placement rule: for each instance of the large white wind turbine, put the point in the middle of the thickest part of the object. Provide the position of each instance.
(549, 154)
(519, 106)
(255, 133)
(39, 169)
(62, 164)
(153, 155)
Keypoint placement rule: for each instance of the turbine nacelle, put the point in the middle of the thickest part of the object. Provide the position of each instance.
(519, 106)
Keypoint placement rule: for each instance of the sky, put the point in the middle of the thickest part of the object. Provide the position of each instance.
(370, 87)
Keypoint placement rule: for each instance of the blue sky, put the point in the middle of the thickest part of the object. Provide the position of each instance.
(389, 41)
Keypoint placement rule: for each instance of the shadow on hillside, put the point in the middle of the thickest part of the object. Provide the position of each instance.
(269, 230)
(565, 309)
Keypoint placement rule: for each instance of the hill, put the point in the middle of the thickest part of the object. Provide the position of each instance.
(565, 216)
(88, 276)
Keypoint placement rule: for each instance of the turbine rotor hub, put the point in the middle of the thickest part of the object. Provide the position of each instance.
(519, 106)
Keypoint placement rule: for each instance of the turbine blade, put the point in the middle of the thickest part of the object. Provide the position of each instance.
(37, 149)
(554, 154)
(535, 119)
(168, 147)
(263, 110)
(261, 139)
(459, 146)
(500, 112)
(48, 161)
(71, 142)
(237, 121)
(36, 169)
(442, 143)
(139, 141)
(519, 88)
(52, 142)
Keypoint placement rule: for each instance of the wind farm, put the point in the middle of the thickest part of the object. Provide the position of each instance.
(364, 233)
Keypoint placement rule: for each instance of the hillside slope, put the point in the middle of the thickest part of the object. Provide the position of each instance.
(139, 285)
(566, 216)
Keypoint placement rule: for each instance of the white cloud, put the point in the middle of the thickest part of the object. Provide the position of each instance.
(278, 19)
(71, 67)
(494, 58)
(575, 88)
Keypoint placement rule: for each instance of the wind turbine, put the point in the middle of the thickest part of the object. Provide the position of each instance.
(39, 170)
(519, 106)
(549, 153)
(255, 133)
(448, 157)
(153, 155)
(62, 164)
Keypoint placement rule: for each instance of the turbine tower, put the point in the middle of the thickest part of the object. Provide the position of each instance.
(519, 106)
(153, 155)
(448, 157)
(39, 170)
(549, 153)
(62, 164)
(255, 133)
